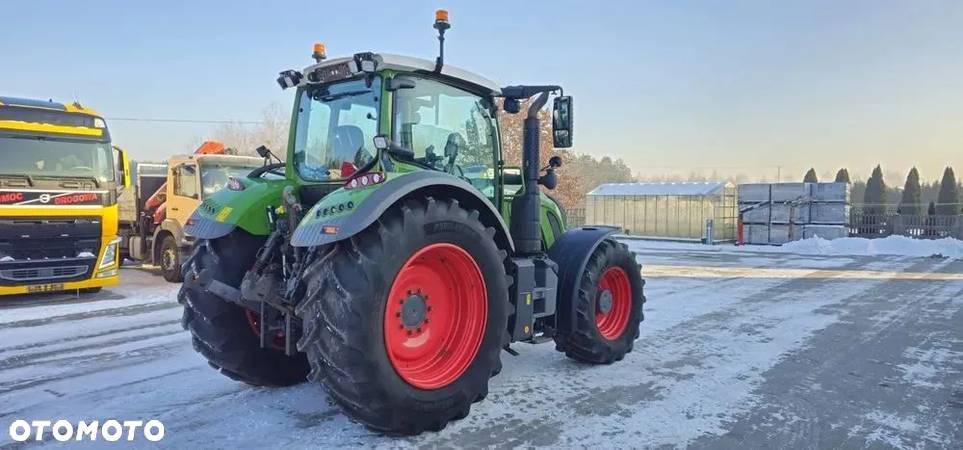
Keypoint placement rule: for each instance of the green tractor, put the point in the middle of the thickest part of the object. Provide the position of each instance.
(392, 256)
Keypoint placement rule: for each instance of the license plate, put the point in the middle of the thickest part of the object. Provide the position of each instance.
(54, 287)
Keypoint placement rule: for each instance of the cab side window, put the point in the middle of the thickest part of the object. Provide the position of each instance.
(185, 180)
(448, 129)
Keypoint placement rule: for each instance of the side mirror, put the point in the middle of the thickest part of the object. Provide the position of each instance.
(397, 83)
(263, 151)
(381, 142)
(555, 162)
(121, 169)
(562, 124)
(511, 105)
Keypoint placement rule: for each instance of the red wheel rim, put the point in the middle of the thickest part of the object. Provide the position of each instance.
(254, 320)
(611, 317)
(435, 316)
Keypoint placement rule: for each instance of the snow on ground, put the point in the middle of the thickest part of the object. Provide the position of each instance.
(831, 355)
(891, 245)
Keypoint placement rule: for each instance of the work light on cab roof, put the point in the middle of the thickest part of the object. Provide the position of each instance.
(365, 62)
(319, 53)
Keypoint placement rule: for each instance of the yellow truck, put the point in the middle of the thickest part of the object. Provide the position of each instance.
(59, 183)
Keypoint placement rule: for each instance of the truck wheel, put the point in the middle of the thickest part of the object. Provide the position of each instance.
(608, 307)
(170, 260)
(404, 323)
(221, 331)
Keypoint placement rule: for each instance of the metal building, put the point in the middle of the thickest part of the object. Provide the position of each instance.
(666, 210)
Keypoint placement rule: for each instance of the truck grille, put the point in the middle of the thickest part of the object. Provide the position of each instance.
(36, 238)
(43, 273)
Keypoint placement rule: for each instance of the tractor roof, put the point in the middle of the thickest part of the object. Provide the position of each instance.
(411, 64)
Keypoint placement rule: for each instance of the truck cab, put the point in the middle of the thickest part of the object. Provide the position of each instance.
(155, 229)
(58, 198)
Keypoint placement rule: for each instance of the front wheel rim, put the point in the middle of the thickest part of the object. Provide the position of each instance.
(435, 316)
(613, 302)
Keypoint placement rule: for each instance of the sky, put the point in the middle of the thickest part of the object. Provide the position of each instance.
(754, 87)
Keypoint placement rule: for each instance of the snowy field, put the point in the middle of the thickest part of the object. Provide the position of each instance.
(803, 346)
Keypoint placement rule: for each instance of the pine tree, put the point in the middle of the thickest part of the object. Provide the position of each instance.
(842, 176)
(810, 176)
(911, 204)
(948, 200)
(875, 192)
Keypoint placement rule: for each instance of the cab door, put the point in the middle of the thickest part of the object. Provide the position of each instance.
(183, 193)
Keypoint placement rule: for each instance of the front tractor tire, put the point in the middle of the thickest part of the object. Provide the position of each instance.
(222, 332)
(404, 323)
(603, 324)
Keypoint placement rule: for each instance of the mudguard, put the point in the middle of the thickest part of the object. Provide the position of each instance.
(571, 252)
(221, 213)
(346, 212)
(174, 228)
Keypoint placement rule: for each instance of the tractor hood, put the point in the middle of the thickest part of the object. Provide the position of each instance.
(229, 208)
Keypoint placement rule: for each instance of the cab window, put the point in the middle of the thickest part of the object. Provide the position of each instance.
(185, 181)
(448, 129)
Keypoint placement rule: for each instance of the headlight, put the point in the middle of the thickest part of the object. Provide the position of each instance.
(110, 254)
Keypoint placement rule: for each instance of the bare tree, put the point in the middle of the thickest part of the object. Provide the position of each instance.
(271, 131)
(570, 191)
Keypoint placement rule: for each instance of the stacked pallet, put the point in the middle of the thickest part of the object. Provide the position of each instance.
(776, 213)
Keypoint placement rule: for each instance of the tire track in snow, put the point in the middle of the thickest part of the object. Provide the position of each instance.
(66, 356)
(119, 312)
(849, 388)
(81, 337)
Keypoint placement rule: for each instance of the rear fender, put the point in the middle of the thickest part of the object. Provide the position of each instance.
(347, 212)
(571, 252)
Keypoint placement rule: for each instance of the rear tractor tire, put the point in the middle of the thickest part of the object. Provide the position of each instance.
(404, 323)
(608, 307)
(222, 332)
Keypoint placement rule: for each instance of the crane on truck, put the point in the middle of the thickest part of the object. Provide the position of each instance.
(58, 198)
(395, 256)
(154, 212)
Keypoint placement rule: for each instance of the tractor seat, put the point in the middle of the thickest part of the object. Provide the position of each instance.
(347, 142)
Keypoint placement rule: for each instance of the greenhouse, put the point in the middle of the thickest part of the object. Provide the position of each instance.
(666, 210)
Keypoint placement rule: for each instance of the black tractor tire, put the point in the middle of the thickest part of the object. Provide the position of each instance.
(170, 260)
(584, 340)
(220, 330)
(344, 314)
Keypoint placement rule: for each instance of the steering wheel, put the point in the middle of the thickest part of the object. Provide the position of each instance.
(83, 168)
